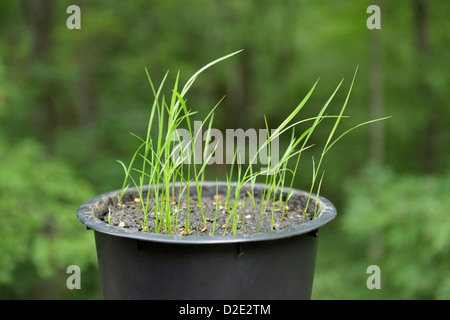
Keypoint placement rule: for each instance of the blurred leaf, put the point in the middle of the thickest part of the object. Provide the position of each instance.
(40, 196)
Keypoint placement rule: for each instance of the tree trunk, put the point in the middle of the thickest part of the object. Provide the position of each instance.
(376, 248)
(38, 15)
(429, 144)
(376, 98)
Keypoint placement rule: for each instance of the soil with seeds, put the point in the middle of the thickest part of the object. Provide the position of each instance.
(247, 218)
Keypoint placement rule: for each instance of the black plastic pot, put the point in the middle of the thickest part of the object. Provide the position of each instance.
(276, 265)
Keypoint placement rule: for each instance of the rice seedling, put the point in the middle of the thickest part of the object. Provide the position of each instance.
(169, 165)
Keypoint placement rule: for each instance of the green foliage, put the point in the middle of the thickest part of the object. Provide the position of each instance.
(40, 195)
(82, 97)
(399, 222)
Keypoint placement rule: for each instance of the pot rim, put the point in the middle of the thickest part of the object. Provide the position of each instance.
(86, 215)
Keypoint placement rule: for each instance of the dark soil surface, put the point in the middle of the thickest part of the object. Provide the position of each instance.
(244, 219)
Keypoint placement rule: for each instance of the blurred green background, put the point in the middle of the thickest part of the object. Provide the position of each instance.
(69, 98)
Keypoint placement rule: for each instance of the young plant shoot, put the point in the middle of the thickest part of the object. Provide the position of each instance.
(169, 177)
